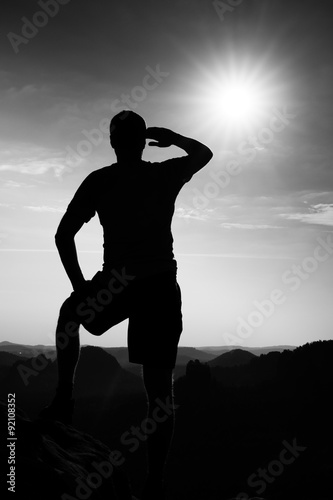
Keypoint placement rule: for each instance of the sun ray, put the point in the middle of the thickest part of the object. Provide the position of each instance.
(233, 95)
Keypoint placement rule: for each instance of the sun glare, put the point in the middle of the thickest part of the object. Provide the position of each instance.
(236, 103)
(232, 97)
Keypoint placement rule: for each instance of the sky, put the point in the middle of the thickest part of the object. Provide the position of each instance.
(253, 230)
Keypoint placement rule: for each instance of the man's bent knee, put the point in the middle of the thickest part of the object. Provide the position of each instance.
(66, 311)
(65, 307)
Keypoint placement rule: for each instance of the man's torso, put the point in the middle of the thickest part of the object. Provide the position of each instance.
(135, 208)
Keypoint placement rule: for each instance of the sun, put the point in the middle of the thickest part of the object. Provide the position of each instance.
(231, 98)
(236, 102)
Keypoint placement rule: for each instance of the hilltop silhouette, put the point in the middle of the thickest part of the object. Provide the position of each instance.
(99, 377)
(235, 357)
(231, 420)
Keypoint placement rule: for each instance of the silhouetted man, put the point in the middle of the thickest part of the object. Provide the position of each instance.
(134, 200)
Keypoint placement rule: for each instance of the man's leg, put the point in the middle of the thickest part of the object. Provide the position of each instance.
(68, 352)
(158, 384)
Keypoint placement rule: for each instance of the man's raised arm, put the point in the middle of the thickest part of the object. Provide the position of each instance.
(198, 153)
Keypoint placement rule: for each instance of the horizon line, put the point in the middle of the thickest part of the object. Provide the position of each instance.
(185, 346)
(214, 255)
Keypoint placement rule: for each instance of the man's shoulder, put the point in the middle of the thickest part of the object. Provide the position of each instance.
(100, 174)
(177, 170)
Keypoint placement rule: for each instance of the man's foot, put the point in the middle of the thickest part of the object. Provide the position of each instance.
(60, 409)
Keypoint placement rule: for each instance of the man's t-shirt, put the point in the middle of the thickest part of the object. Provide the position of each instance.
(135, 209)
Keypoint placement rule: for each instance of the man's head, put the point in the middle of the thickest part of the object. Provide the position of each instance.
(128, 134)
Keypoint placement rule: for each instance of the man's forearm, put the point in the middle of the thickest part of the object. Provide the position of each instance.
(164, 137)
(198, 154)
(68, 255)
(191, 146)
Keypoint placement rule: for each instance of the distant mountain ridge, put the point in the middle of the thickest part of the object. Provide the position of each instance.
(232, 358)
(185, 353)
(27, 350)
(39, 346)
(97, 376)
(217, 350)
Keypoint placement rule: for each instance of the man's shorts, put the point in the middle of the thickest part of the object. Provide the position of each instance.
(152, 304)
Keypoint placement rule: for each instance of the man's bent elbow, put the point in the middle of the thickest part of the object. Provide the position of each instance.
(62, 238)
(58, 239)
(207, 155)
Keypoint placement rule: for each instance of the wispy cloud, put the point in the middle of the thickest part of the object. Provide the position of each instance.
(24, 92)
(235, 256)
(44, 208)
(32, 160)
(6, 205)
(321, 214)
(235, 225)
(188, 212)
(11, 184)
(44, 250)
